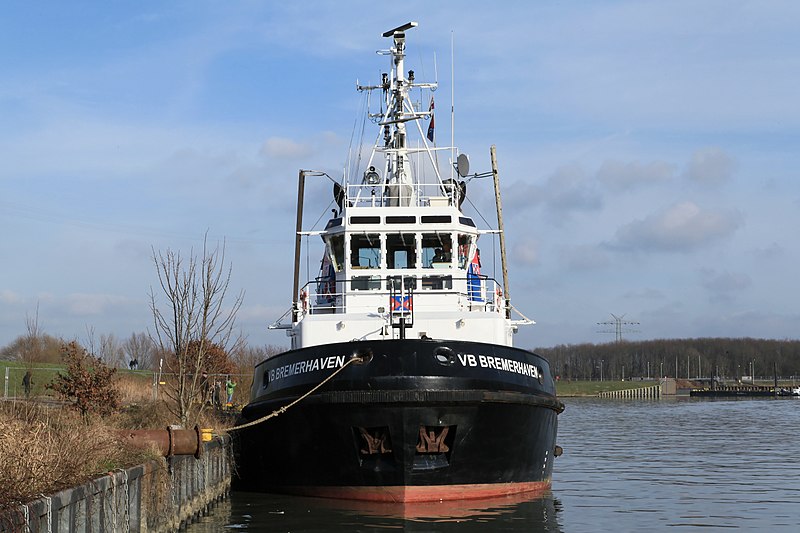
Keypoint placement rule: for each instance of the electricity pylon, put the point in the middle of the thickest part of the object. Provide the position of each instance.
(618, 324)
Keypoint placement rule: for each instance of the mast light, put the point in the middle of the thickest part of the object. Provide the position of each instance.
(372, 177)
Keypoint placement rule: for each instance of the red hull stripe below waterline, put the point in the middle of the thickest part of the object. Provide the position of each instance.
(428, 493)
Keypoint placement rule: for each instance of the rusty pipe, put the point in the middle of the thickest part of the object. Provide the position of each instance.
(170, 441)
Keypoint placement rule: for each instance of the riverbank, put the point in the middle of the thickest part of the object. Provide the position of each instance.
(162, 494)
(588, 389)
(578, 389)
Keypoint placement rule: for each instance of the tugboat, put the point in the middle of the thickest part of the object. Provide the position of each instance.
(401, 383)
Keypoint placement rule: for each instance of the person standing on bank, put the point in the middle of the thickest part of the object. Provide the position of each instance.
(230, 386)
(27, 381)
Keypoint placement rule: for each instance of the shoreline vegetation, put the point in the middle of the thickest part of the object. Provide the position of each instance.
(582, 389)
(46, 445)
(727, 359)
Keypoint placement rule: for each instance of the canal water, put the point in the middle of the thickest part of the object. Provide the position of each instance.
(636, 465)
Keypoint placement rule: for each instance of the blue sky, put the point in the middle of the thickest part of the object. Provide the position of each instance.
(648, 152)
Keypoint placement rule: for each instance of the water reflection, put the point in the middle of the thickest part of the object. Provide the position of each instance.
(270, 512)
(661, 465)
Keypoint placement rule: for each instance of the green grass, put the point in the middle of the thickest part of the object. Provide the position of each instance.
(41, 374)
(593, 388)
(44, 373)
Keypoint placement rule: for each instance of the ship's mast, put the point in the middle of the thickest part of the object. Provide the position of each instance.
(398, 169)
(402, 187)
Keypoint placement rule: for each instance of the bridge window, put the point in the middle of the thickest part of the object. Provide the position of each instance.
(437, 250)
(335, 246)
(365, 250)
(401, 250)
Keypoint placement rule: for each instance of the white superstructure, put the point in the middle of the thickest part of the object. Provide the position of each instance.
(400, 260)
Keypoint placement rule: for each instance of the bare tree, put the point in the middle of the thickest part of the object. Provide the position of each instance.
(90, 340)
(247, 357)
(110, 350)
(140, 347)
(193, 319)
(31, 349)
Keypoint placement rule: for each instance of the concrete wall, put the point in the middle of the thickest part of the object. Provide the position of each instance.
(161, 495)
(665, 387)
(654, 391)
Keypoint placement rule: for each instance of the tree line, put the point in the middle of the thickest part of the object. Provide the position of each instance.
(724, 358)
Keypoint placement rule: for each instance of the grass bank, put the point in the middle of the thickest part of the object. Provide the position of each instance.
(46, 446)
(567, 389)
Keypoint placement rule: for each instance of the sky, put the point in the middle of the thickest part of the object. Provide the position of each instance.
(647, 150)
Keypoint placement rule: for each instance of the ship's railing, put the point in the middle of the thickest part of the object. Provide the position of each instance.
(402, 195)
(366, 294)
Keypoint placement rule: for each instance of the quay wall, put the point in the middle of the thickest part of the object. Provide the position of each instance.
(665, 387)
(638, 393)
(158, 496)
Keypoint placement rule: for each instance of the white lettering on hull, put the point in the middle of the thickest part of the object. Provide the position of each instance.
(501, 363)
(308, 365)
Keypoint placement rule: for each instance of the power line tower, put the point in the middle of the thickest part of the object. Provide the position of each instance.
(619, 324)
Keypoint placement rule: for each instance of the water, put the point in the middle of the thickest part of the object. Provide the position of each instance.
(662, 465)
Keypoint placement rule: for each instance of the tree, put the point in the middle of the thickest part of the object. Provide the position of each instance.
(32, 341)
(34, 346)
(193, 322)
(213, 360)
(140, 346)
(88, 383)
(110, 350)
(43, 348)
(247, 357)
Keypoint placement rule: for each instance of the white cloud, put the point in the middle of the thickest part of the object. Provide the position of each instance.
(681, 227)
(9, 297)
(85, 304)
(723, 284)
(619, 175)
(525, 252)
(710, 166)
(283, 148)
(772, 251)
(585, 258)
(568, 189)
(645, 294)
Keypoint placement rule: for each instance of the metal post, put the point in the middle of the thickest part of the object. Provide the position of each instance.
(775, 376)
(301, 183)
(5, 392)
(499, 204)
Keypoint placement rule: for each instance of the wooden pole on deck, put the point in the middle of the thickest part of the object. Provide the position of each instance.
(301, 184)
(499, 203)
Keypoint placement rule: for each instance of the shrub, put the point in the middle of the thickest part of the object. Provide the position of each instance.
(89, 384)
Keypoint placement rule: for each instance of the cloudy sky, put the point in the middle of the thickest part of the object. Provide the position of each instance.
(648, 152)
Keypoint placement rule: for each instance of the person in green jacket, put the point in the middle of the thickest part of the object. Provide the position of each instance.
(230, 386)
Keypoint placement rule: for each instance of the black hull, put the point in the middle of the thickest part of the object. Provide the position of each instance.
(406, 426)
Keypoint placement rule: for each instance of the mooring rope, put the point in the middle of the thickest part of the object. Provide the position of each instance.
(281, 410)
